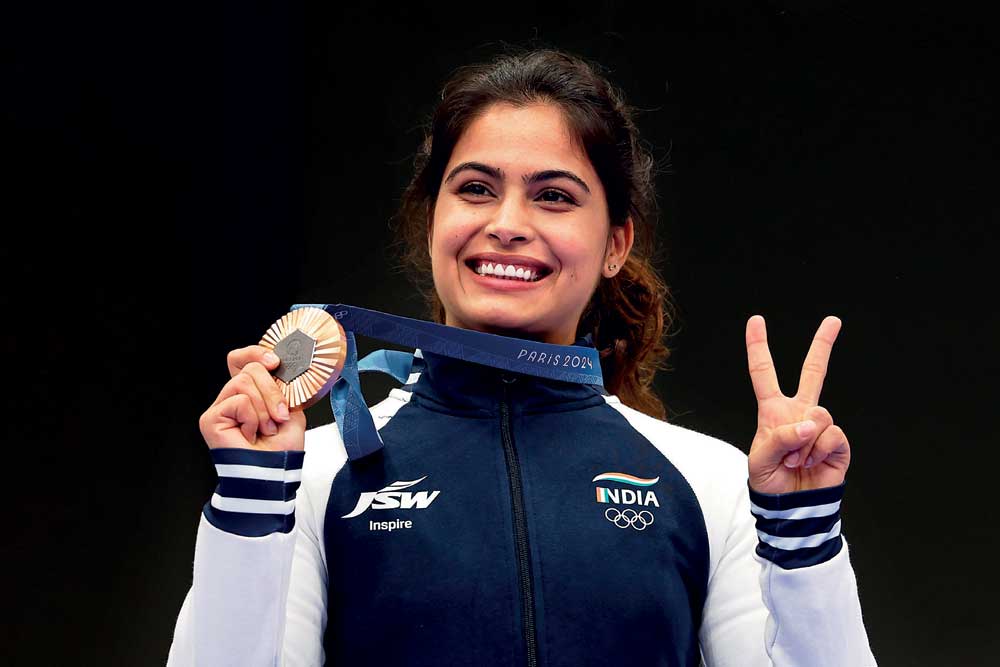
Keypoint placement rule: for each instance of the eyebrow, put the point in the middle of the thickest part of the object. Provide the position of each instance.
(534, 177)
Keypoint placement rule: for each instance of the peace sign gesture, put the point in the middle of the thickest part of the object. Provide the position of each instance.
(797, 446)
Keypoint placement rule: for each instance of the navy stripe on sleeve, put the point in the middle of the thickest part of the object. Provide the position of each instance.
(256, 491)
(798, 529)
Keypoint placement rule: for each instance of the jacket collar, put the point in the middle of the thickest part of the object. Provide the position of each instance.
(455, 386)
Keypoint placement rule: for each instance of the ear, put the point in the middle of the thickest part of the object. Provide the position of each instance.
(620, 240)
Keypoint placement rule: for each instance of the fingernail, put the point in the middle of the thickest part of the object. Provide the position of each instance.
(282, 411)
(271, 358)
(805, 428)
(809, 462)
(792, 460)
(271, 427)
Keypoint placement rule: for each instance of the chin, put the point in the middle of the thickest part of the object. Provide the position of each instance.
(503, 322)
(510, 326)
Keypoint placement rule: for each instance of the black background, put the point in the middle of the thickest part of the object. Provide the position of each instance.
(177, 178)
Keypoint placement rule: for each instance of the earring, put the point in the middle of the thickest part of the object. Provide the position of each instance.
(612, 267)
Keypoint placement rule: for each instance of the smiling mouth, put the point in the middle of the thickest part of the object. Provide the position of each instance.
(513, 272)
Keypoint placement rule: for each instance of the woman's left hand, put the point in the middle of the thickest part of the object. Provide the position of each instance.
(797, 446)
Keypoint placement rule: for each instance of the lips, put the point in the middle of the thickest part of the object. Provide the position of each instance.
(519, 268)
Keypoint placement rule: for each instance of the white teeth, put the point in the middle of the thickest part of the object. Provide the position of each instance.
(506, 271)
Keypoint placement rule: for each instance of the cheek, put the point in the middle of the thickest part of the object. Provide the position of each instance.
(580, 258)
(447, 243)
(453, 227)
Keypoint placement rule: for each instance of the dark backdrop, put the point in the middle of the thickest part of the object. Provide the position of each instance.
(178, 177)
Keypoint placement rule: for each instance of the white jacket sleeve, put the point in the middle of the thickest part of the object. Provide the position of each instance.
(783, 592)
(252, 542)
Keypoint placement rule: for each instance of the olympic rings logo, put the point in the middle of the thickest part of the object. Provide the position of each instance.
(624, 519)
(340, 314)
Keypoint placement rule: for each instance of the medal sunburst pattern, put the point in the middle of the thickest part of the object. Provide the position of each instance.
(323, 368)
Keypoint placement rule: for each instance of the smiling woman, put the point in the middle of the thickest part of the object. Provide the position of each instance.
(478, 226)
(536, 162)
(506, 505)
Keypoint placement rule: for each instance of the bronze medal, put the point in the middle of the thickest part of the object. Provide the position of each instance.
(312, 347)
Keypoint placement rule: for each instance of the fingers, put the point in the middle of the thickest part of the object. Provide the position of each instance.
(240, 410)
(239, 358)
(231, 422)
(762, 373)
(814, 368)
(831, 445)
(788, 441)
(790, 444)
(823, 420)
(259, 386)
(250, 411)
(276, 408)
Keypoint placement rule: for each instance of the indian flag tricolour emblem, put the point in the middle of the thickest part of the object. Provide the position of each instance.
(625, 479)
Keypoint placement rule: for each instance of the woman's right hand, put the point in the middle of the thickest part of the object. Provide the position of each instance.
(250, 412)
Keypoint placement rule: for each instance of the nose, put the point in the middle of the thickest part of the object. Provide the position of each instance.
(510, 224)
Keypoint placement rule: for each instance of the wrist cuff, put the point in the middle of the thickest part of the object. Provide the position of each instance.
(798, 529)
(256, 491)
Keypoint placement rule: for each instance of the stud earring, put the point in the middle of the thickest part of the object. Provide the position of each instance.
(612, 266)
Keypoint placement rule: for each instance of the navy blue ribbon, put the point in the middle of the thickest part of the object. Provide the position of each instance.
(568, 363)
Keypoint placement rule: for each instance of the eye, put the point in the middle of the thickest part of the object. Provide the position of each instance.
(473, 189)
(558, 193)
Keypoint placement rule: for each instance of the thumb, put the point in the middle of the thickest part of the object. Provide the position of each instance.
(785, 442)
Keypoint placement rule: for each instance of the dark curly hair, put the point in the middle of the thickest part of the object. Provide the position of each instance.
(628, 313)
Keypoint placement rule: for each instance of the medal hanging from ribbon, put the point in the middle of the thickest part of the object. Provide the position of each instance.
(315, 343)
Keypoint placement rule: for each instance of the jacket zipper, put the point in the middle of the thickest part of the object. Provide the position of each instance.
(520, 529)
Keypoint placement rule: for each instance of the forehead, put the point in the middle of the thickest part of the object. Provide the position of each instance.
(527, 138)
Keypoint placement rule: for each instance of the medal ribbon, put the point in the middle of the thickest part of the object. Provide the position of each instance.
(568, 363)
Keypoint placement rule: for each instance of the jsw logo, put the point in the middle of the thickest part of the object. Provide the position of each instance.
(393, 497)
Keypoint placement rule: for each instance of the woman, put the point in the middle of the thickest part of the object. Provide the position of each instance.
(511, 519)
